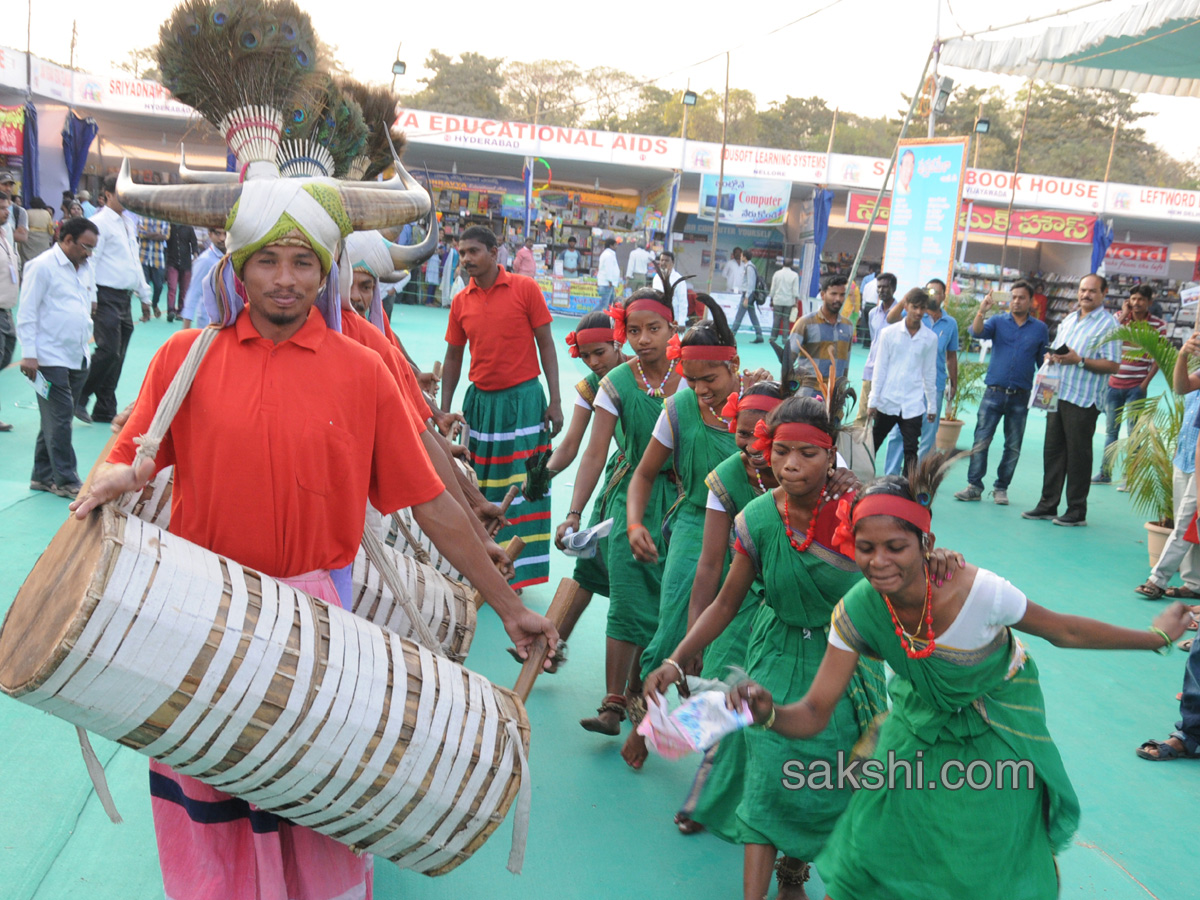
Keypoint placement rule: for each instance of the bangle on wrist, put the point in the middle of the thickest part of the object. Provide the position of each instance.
(1167, 644)
(576, 513)
(632, 528)
(678, 668)
(770, 719)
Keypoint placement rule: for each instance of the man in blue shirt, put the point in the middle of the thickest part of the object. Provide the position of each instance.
(570, 259)
(945, 326)
(1019, 342)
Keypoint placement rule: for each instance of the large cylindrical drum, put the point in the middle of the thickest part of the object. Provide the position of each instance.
(257, 689)
(408, 538)
(445, 604)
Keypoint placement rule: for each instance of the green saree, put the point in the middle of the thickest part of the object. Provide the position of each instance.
(699, 447)
(634, 586)
(592, 574)
(786, 647)
(980, 706)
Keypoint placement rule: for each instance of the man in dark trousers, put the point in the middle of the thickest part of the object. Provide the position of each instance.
(181, 250)
(118, 270)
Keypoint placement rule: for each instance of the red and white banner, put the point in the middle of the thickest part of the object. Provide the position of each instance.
(1036, 224)
(1146, 260)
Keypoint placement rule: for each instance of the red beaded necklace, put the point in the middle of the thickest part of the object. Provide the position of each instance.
(926, 614)
(811, 533)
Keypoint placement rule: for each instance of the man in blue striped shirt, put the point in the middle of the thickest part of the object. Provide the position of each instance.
(1083, 369)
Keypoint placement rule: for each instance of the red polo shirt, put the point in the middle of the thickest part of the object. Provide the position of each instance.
(277, 447)
(498, 324)
(363, 332)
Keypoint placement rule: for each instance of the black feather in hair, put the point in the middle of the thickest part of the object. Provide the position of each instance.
(378, 106)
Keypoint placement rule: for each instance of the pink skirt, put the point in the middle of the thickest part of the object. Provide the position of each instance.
(212, 845)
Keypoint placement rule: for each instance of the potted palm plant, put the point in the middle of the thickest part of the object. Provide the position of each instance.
(1148, 448)
(970, 385)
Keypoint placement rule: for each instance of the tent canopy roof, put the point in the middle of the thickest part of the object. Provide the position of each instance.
(1150, 48)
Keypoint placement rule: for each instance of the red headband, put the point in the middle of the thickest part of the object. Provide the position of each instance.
(890, 505)
(588, 336)
(789, 431)
(735, 405)
(705, 352)
(663, 309)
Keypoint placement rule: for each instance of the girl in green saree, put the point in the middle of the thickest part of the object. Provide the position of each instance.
(784, 543)
(693, 437)
(966, 704)
(627, 406)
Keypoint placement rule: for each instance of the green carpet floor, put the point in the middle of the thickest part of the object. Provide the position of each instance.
(598, 829)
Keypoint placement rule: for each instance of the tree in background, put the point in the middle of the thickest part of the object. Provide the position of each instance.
(141, 63)
(469, 86)
(544, 92)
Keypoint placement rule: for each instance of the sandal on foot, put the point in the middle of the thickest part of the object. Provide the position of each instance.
(1150, 590)
(1163, 752)
(1185, 646)
(613, 703)
(687, 825)
(1181, 593)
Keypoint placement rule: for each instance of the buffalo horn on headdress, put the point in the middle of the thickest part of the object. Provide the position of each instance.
(405, 256)
(197, 176)
(205, 206)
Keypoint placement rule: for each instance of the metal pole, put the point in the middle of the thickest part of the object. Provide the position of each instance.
(1111, 149)
(832, 130)
(712, 261)
(1016, 168)
(937, 55)
(862, 248)
(28, 50)
(978, 136)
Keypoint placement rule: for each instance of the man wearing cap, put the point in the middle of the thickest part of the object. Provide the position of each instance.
(17, 226)
(85, 200)
(287, 431)
(118, 269)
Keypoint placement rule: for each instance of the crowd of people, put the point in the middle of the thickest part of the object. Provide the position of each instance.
(741, 538)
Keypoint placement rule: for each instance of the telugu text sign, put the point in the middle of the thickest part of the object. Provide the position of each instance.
(922, 228)
(1036, 224)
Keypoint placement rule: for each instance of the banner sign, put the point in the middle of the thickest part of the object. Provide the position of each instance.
(745, 201)
(926, 192)
(12, 130)
(1039, 225)
(1147, 260)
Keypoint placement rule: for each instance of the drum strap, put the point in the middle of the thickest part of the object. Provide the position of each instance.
(378, 555)
(420, 554)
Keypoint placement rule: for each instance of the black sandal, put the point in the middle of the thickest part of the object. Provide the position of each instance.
(1150, 590)
(1181, 593)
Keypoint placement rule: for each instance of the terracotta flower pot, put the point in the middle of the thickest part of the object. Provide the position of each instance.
(947, 435)
(1156, 539)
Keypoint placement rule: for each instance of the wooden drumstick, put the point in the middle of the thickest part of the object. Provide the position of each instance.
(437, 370)
(504, 505)
(512, 550)
(565, 597)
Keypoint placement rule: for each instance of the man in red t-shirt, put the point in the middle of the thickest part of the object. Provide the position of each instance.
(1133, 378)
(287, 430)
(505, 320)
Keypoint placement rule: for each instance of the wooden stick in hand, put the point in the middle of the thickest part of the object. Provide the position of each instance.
(504, 505)
(512, 550)
(564, 598)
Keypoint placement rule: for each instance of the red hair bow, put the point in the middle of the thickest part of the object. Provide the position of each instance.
(574, 345)
(730, 411)
(843, 535)
(616, 312)
(763, 440)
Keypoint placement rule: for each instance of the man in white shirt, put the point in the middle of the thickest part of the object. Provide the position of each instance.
(904, 389)
(10, 279)
(608, 274)
(195, 313)
(885, 290)
(676, 286)
(55, 328)
(745, 279)
(117, 266)
(785, 294)
(637, 268)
